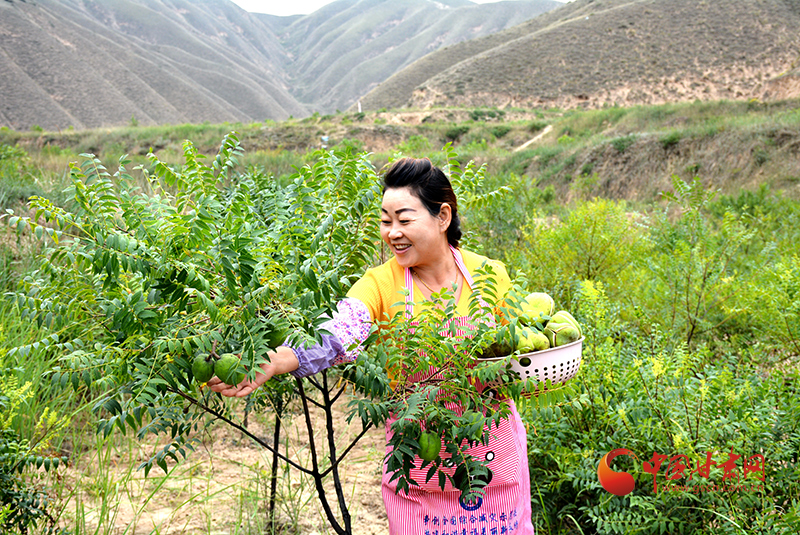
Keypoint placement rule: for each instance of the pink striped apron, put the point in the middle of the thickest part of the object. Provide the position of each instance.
(505, 507)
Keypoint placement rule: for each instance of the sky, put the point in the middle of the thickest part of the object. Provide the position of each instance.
(296, 7)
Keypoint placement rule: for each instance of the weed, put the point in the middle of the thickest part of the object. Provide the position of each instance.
(536, 126)
(622, 143)
(500, 131)
(454, 133)
(670, 139)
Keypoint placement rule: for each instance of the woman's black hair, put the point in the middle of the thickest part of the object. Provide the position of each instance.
(430, 185)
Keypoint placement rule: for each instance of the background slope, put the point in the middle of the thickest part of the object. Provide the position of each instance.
(625, 52)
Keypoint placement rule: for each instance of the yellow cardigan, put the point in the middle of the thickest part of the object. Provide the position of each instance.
(379, 289)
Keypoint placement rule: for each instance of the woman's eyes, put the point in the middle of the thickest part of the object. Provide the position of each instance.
(401, 221)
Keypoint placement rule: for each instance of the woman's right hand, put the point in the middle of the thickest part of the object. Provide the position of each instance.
(282, 360)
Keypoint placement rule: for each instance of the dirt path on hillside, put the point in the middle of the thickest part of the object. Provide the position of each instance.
(530, 142)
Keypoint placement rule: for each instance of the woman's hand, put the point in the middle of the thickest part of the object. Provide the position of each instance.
(282, 360)
(245, 387)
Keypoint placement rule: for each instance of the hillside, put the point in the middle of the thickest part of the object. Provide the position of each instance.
(92, 63)
(88, 63)
(616, 152)
(594, 53)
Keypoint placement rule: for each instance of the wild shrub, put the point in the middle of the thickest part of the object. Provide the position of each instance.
(496, 226)
(454, 133)
(24, 504)
(596, 240)
(547, 154)
(536, 126)
(279, 163)
(676, 410)
(500, 131)
(517, 163)
(760, 156)
(17, 181)
(415, 146)
(771, 310)
(352, 145)
(479, 114)
(694, 267)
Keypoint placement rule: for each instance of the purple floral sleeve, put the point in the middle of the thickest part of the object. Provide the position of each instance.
(349, 327)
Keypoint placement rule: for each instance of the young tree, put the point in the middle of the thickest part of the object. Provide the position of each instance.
(147, 287)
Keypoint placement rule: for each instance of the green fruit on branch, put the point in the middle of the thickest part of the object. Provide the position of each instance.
(533, 305)
(430, 445)
(228, 369)
(559, 334)
(562, 316)
(532, 340)
(202, 368)
(277, 336)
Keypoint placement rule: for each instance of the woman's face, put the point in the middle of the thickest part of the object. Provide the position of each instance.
(414, 235)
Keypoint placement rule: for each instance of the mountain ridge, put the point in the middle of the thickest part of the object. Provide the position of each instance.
(90, 63)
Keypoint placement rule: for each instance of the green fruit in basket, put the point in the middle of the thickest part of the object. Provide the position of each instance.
(562, 316)
(202, 368)
(495, 350)
(532, 340)
(502, 345)
(430, 445)
(559, 334)
(228, 369)
(535, 304)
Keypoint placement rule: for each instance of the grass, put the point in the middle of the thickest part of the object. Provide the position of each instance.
(110, 492)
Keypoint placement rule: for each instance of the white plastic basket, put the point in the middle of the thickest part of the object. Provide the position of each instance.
(558, 364)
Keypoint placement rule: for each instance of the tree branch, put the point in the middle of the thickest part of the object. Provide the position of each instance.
(230, 422)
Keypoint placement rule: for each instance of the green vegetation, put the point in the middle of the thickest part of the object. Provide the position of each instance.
(690, 303)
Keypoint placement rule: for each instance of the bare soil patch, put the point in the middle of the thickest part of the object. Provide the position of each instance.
(223, 486)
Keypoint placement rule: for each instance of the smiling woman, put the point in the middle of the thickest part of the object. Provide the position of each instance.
(420, 223)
